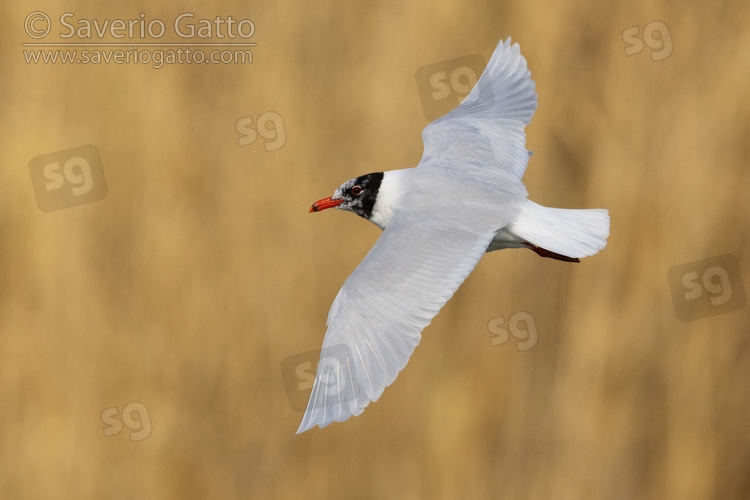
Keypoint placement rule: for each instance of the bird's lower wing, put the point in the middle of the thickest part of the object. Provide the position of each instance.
(375, 322)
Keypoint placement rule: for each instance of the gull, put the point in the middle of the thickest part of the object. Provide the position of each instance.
(465, 198)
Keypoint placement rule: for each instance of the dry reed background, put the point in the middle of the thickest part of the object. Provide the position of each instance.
(201, 270)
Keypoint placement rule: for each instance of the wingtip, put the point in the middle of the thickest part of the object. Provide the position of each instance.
(305, 425)
(509, 42)
(302, 428)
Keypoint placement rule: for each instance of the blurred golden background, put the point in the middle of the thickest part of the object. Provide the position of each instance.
(184, 289)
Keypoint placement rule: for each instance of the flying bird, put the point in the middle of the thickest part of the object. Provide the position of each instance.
(463, 199)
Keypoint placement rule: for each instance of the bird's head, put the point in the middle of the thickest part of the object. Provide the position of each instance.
(356, 195)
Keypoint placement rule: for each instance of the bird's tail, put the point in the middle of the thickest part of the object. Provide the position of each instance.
(561, 233)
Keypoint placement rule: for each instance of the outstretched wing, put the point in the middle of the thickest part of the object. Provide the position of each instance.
(375, 322)
(484, 136)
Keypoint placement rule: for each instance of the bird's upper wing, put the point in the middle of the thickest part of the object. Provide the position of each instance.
(467, 186)
(416, 265)
(484, 135)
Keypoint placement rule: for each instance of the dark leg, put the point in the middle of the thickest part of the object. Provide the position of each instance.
(552, 255)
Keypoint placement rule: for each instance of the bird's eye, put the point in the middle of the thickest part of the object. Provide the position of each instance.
(356, 191)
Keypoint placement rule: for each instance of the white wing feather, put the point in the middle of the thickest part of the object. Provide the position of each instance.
(487, 129)
(377, 317)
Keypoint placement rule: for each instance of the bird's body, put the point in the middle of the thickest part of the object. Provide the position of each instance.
(464, 198)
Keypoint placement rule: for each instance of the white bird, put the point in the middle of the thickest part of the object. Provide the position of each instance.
(464, 198)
